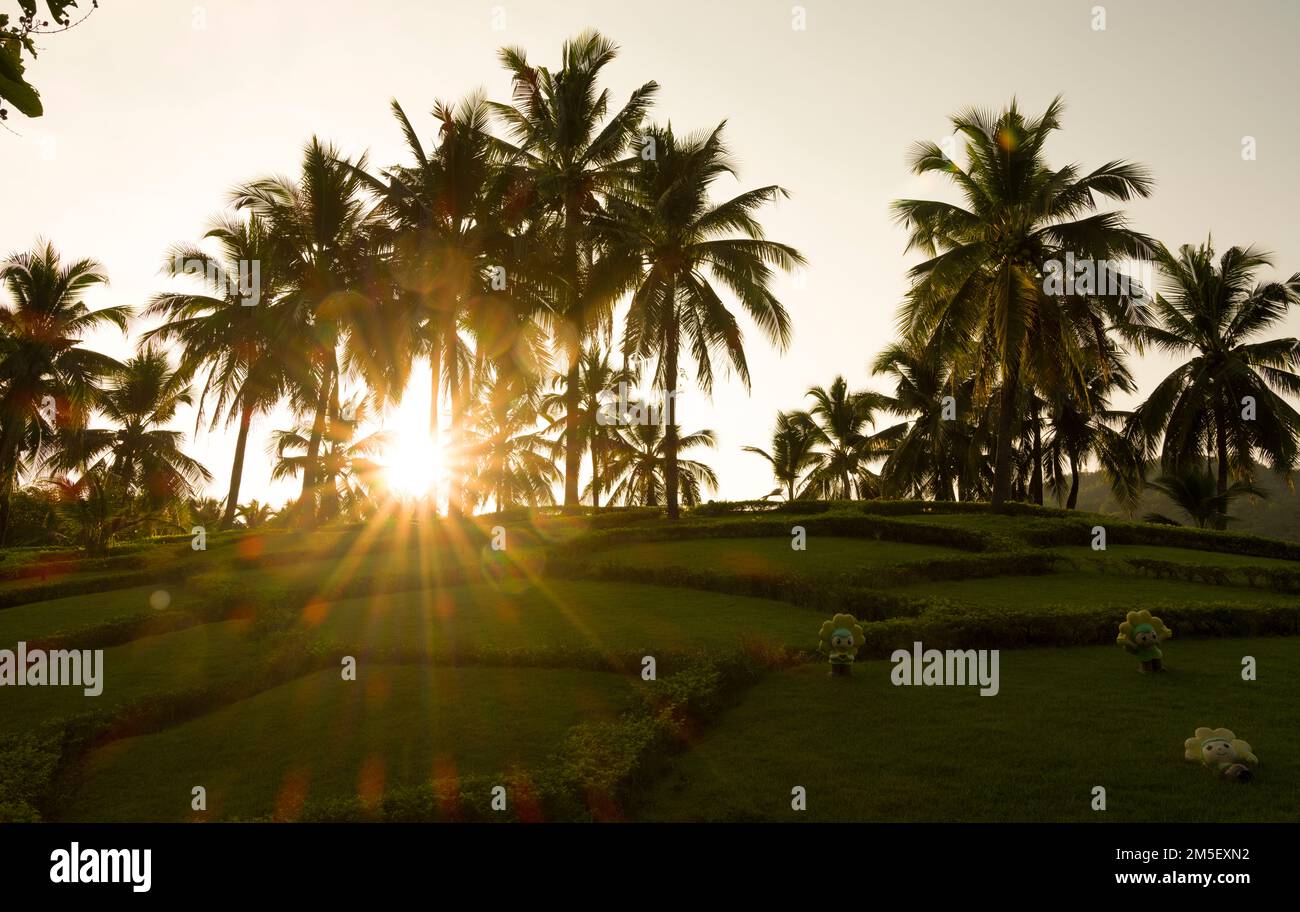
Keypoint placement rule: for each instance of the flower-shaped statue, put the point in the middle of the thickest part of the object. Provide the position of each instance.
(1222, 751)
(1141, 635)
(840, 638)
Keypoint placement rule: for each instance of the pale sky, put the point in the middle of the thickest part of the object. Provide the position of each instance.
(155, 108)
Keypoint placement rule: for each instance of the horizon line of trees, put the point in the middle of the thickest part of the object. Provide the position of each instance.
(498, 254)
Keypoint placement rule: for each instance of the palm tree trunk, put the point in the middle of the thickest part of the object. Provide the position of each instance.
(435, 387)
(572, 439)
(1073, 499)
(1221, 444)
(595, 476)
(456, 478)
(1006, 419)
(670, 412)
(237, 468)
(1036, 479)
(310, 478)
(8, 473)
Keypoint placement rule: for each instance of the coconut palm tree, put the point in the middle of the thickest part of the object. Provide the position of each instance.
(1225, 403)
(837, 422)
(596, 418)
(44, 370)
(256, 514)
(574, 154)
(793, 453)
(691, 249)
(940, 444)
(512, 459)
(328, 240)
(344, 465)
(1196, 494)
(97, 510)
(249, 347)
(638, 471)
(982, 287)
(144, 457)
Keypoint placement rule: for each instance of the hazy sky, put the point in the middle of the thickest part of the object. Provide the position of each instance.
(155, 108)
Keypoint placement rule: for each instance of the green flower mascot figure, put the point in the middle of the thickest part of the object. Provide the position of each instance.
(840, 638)
(1220, 750)
(1141, 635)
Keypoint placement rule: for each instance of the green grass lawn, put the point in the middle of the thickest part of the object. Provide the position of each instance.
(204, 655)
(1083, 588)
(825, 554)
(1065, 720)
(1084, 554)
(609, 617)
(321, 737)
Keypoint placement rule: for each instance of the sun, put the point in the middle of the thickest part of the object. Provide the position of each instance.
(412, 463)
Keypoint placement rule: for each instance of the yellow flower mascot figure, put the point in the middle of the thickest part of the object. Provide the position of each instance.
(841, 637)
(1222, 751)
(1141, 635)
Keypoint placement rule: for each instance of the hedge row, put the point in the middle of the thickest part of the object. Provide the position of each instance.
(1281, 579)
(835, 525)
(952, 626)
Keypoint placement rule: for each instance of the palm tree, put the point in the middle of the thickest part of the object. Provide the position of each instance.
(688, 246)
(1216, 314)
(327, 240)
(512, 458)
(344, 465)
(97, 509)
(459, 261)
(1196, 494)
(638, 471)
(144, 458)
(837, 421)
(1083, 426)
(573, 155)
(793, 453)
(941, 445)
(44, 371)
(256, 514)
(982, 287)
(252, 352)
(594, 421)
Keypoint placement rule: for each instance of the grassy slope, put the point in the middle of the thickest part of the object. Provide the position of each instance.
(1083, 588)
(613, 617)
(824, 554)
(1066, 720)
(321, 736)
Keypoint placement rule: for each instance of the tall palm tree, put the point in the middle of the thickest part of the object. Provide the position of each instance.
(688, 247)
(838, 421)
(594, 421)
(328, 240)
(1216, 313)
(465, 256)
(251, 351)
(143, 456)
(638, 471)
(982, 286)
(44, 370)
(793, 453)
(559, 132)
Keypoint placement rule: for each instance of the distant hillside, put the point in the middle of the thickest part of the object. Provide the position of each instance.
(1278, 516)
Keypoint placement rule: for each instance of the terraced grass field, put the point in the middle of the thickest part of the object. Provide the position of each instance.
(584, 669)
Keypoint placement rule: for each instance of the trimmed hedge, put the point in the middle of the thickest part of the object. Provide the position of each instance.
(957, 626)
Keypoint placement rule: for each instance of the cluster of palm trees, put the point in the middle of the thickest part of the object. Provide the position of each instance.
(496, 254)
(1005, 384)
